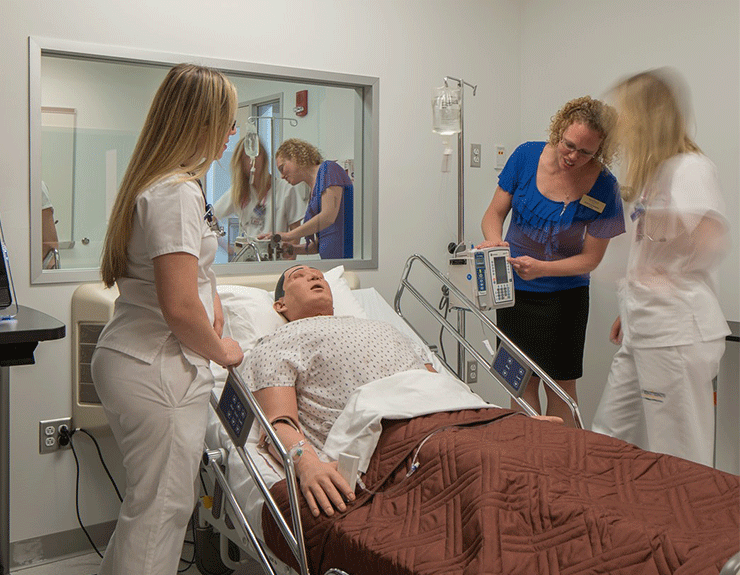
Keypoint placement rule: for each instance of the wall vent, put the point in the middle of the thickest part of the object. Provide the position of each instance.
(92, 308)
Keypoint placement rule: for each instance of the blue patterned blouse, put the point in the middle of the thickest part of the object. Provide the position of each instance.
(548, 230)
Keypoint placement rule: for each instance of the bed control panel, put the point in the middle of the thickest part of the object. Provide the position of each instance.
(234, 412)
(511, 370)
(484, 276)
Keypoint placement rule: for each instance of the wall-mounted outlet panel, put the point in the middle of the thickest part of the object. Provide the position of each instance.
(471, 375)
(49, 434)
(475, 155)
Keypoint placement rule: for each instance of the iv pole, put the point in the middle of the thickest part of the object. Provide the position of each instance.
(460, 159)
(461, 210)
(256, 120)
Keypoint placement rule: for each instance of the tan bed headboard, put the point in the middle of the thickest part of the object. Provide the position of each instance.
(92, 308)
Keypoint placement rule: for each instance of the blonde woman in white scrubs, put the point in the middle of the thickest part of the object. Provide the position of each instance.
(659, 393)
(252, 202)
(151, 364)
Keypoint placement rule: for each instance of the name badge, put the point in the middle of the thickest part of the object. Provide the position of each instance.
(593, 203)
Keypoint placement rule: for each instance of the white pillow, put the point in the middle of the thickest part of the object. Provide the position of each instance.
(345, 302)
(249, 315)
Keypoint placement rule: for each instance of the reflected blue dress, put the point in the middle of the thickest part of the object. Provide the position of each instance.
(336, 241)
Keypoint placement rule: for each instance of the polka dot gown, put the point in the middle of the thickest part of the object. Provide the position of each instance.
(326, 358)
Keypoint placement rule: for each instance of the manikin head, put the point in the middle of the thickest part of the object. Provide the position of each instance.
(303, 292)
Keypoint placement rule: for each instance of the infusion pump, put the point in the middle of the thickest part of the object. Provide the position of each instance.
(484, 276)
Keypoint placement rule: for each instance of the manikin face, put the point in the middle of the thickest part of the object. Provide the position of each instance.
(578, 145)
(307, 294)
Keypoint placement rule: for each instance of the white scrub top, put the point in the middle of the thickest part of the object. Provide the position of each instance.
(168, 218)
(669, 296)
(45, 201)
(290, 207)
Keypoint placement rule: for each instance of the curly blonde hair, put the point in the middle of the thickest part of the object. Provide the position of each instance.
(600, 117)
(300, 151)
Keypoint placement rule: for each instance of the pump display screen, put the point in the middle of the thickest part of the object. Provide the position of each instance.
(499, 266)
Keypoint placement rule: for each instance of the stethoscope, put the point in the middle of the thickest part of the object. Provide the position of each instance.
(212, 222)
(210, 219)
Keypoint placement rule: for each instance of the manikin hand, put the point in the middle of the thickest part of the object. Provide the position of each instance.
(322, 485)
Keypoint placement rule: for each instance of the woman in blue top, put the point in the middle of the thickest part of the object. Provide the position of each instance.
(327, 225)
(565, 207)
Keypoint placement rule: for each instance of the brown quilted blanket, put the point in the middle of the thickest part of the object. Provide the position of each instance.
(507, 494)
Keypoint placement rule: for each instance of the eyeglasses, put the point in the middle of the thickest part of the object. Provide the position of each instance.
(571, 147)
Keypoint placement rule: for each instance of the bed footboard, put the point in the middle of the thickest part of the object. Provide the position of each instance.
(507, 351)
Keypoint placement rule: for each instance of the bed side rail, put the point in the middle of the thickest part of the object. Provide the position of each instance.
(237, 408)
(214, 459)
(732, 567)
(466, 306)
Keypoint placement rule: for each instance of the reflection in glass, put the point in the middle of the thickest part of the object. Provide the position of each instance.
(262, 204)
(328, 224)
(105, 92)
(49, 236)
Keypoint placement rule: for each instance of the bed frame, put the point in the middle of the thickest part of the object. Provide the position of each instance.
(221, 511)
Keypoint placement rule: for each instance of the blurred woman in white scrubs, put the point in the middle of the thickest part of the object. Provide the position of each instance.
(659, 393)
(151, 364)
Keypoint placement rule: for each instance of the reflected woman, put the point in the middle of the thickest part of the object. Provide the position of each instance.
(252, 203)
(328, 225)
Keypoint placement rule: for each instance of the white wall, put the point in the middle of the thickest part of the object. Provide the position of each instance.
(409, 45)
(575, 47)
(526, 57)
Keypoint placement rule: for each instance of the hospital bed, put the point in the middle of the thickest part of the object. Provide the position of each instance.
(563, 501)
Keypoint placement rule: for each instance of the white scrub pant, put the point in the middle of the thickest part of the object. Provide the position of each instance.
(158, 416)
(662, 399)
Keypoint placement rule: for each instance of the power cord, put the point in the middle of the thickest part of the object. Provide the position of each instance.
(65, 438)
(190, 562)
(444, 306)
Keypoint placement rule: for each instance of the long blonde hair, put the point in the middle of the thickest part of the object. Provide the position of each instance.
(652, 127)
(240, 188)
(184, 132)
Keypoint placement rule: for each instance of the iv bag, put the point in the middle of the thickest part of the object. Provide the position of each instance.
(251, 141)
(446, 111)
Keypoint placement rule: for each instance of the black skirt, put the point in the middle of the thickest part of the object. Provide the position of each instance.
(550, 328)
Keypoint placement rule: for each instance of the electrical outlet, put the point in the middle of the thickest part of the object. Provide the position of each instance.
(471, 374)
(475, 155)
(49, 434)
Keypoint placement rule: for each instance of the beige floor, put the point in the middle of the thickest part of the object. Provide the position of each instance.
(88, 565)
